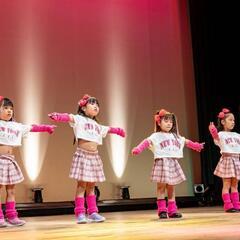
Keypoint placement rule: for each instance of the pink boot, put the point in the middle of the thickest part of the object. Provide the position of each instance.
(228, 206)
(162, 209)
(80, 210)
(235, 200)
(12, 215)
(92, 210)
(172, 210)
(2, 221)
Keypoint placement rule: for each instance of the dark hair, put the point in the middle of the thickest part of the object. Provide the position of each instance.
(171, 116)
(90, 100)
(219, 124)
(6, 102)
(82, 113)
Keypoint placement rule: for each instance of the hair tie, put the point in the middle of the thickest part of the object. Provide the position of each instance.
(224, 111)
(83, 102)
(161, 113)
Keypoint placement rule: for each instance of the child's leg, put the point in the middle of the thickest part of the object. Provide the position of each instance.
(172, 207)
(92, 204)
(79, 209)
(161, 201)
(228, 206)
(235, 194)
(2, 221)
(11, 212)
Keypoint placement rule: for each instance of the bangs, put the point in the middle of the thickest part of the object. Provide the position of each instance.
(93, 100)
(168, 116)
(7, 102)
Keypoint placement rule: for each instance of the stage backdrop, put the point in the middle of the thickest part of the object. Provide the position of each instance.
(133, 55)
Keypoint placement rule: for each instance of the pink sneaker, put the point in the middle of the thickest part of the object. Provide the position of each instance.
(16, 221)
(2, 223)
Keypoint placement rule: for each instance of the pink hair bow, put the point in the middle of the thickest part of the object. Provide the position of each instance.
(1, 98)
(82, 102)
(161, 113)
(223, 112)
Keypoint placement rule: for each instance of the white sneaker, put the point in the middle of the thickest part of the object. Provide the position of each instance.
(2, 223)
(95, 217)
(16, 221)
(81, 218)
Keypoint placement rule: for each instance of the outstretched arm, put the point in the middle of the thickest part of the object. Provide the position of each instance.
(213, 131)
(43, 128)
(61, 117)
(140, 147)
(194, 145)
(118, 131)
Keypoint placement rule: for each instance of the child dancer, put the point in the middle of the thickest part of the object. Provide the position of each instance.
(11, 134)
(167, 146)
(87, 166)
(228, 167)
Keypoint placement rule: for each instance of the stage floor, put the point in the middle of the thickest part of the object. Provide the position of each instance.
(197, 223)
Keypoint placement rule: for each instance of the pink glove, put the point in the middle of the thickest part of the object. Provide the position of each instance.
(195, 145)
(118, 131)
(143, 145)
(59, 117)
(42, 128)
(213, 131)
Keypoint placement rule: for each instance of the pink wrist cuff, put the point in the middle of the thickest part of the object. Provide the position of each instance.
(214, 133)
(59, 117)
(118, 131)
(143, 145)
(195, 146)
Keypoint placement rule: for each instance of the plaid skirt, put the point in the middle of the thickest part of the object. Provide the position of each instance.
(87, 166)
(10, 172)
(167, 170)
(228, 166)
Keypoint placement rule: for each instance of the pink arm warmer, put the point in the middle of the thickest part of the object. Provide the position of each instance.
(42, 128)
(213, 131)
(59, 117)
(118, 131)
(195, 145)
(143, 145)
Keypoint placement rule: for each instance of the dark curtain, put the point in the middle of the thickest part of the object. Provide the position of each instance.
(215, 30)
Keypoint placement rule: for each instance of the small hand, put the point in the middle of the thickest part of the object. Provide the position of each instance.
(53, 116)
(121, 132)
(201, 147)
(51, 128)
(135, 151)
(211, 127)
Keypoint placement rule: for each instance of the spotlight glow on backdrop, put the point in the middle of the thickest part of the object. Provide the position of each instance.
(31, 109)
(30, 95)
(117, 104)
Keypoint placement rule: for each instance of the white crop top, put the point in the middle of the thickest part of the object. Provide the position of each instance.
(166, 145)
(88, 129)
(11, 133)
(229, 142)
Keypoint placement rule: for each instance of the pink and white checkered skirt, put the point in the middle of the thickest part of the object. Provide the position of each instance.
(10, 172)
(87, 166)
(228, 166)
(167, 170)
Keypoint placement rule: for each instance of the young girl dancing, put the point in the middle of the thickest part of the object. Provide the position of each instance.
(167, 146)
(11, 134)
(228, 167)
(87, 166)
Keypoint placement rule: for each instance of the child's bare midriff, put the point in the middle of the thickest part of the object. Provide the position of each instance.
(5, 149)
(87, 145)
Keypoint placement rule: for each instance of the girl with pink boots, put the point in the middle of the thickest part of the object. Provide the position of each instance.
(167, 146)
(87, 166)
(11, 134)
(228, 167)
